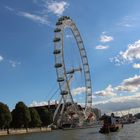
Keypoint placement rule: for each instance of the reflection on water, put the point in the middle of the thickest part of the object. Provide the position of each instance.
(129, 132)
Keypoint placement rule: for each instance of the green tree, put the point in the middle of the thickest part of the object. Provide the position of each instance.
(50, 117)
(35, 118)
(45, 116)
(5, 117)
(21, 116)
(137, 115)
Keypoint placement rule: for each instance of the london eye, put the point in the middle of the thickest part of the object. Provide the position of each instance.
(68, 111)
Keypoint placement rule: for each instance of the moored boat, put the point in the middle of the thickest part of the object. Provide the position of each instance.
(110, 124)
(110, 128)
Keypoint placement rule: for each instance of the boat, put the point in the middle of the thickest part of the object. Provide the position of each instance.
(110, 128)
(128, 119)
(109, 125)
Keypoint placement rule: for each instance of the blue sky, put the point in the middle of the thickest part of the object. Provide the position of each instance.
(110, 30)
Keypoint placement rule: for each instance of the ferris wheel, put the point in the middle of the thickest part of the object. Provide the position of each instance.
(67, 108)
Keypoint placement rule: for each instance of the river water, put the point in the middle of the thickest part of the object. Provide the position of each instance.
(129, 132)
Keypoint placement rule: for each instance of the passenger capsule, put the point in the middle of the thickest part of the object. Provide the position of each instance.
(63, 18)
(80, 41)
(87, 71)
(57, 30)
(64, 92)
(60, 79)
(58, 65)
(57, 52)
(56, 39)
(59, 23)
(84, 56)
(85, 63)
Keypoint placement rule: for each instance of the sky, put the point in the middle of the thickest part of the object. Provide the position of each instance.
(111, 35)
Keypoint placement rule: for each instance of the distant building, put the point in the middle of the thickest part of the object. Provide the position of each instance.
(52, 107)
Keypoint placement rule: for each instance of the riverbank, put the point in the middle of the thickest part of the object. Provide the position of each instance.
(129, 132)
(23, 131)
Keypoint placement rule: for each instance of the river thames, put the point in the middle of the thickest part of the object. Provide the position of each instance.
(129, 132)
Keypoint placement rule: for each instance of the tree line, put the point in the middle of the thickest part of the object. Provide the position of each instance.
(23, 117)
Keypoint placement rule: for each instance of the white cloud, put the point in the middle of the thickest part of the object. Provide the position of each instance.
(9, 8)
(126, 88)
(36, 18)
(101, 47)
(133, 81)
(131, 84)
(128, 21)
(132, 53)
(57, 7)
(53, 6)
(123, 24)
(126, 111)
(136, 66)
(14, 63)
(109, 91)
(1, 58)
(40, 18)
(127, 25)
(78, 91)
(119, 103)
(105, 38)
